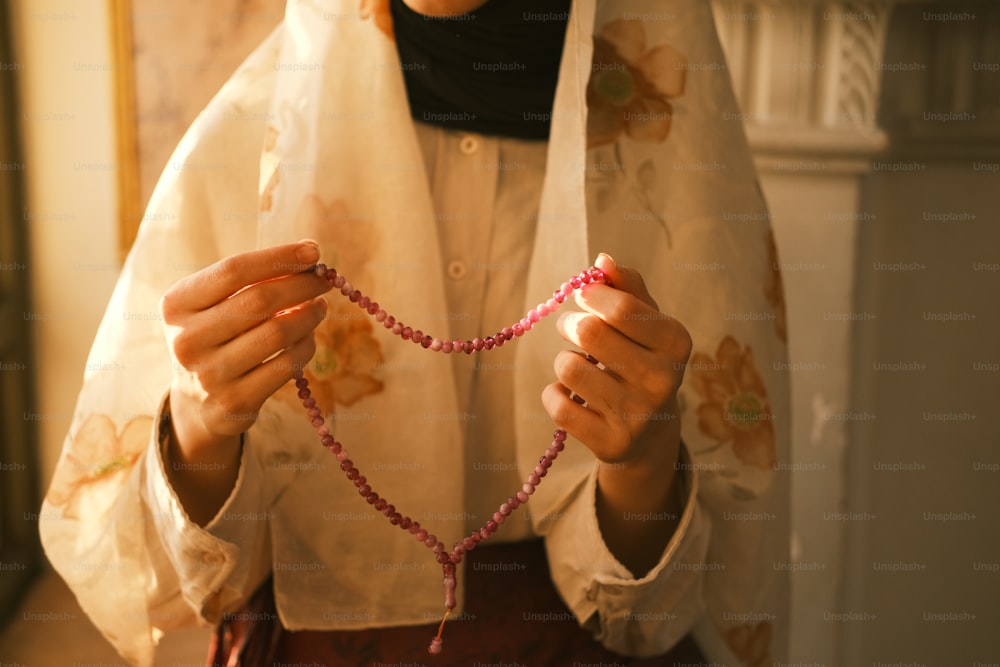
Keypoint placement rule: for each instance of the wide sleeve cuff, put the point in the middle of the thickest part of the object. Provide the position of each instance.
(635, 617)
(213, 563)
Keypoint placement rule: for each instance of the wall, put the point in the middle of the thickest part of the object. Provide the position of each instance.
(68, 144)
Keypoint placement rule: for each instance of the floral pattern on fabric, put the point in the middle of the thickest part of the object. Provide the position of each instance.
(734, 407)
(631, 87)
(774, 290)
(344, 368)
(95, 459)
(751, 644)
(378, 11)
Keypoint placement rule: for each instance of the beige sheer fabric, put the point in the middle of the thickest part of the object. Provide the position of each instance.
(312, 138)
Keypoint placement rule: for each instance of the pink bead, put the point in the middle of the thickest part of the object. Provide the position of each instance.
(576, 282)
(477, 344)
(514, 502)
(565, 289)
(492, 526)
(435, 647)
(416, 335)
(508, 332)
(364, 302)
(327, 440)
(436, 344)
(339, 282)
(335, 448)
(506, 509)
(499, 518)
(346, 289)
(552, 305)
(558, 445)
(388, 510)
(310, 403)
(447, 346)
(317, 422)
(346, 465)
(371, 498)
(397, 328)
(406, 523)
(558, 297)
(372, 308)
(415, 529)
(381, 504)
(304, 394)
(360, 481)
(342, 455)
(355, 296)
(381, 315)
(314, 412)
(534, 479)
(469, 347)
(484, 533)
(320, 270)
(353, 473)
(522, 496)
(302, 383)
(488, 344)
(405, 333)
(499, 340)
(559, 435)
(426, 342)
(550, 453)
(323, 431)
(431, 540)
(518, 329)
(468, 544)
(527, 488)
(458, 345)
(364, 490)
(390, 322)
(534, 315)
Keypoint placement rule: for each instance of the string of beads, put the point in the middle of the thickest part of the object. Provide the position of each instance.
(448, 560)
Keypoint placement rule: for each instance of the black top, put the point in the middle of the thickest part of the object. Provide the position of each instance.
(491, 71)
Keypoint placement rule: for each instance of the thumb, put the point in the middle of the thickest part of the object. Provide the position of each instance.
(625, 279)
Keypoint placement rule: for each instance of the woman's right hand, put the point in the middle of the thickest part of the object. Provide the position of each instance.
(238, 331)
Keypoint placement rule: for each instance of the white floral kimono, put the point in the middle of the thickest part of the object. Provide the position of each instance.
(312, 137)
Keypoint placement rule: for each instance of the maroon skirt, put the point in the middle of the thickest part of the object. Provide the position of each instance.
(513, 617)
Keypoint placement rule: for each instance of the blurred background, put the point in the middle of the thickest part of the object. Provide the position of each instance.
(876, 131)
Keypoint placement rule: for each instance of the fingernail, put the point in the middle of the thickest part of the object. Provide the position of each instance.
(607, 258)
(324, 306)
(307, 253)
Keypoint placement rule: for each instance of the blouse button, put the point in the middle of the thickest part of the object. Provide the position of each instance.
(456, 269)
(468, 144)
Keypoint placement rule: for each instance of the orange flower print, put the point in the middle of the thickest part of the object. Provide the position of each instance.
(347, 357)
(751, 645)
(734, 407)
(378, 11)
(96, 458)
(631, 87)
(774, 290)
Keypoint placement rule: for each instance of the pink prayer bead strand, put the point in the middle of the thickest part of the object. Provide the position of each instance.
(478, 344)
(448, 561)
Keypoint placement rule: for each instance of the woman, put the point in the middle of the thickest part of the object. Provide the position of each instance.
(408, 140)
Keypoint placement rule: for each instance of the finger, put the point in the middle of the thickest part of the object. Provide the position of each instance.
(654, 374)
(249, 392)
(625, 279)
(253, 306)
(584, 424)
(264, 341)
(583, 378)
(226, 277)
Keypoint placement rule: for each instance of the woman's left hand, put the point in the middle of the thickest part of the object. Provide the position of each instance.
(630, 414)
